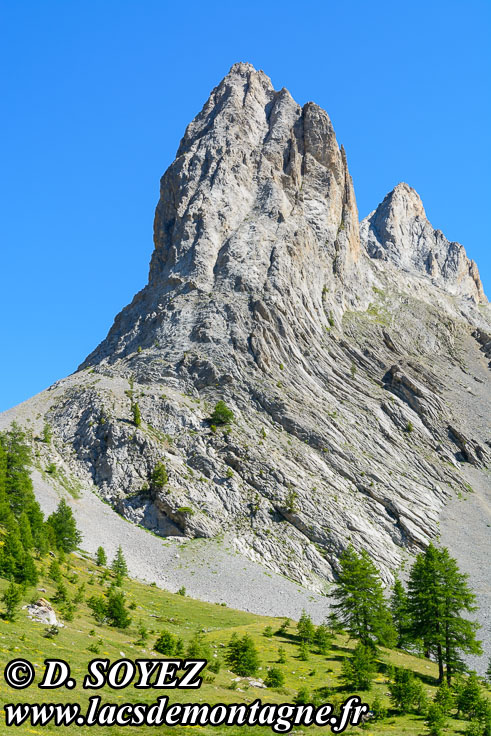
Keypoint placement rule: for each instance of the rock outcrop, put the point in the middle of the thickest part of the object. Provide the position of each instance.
(43, 612)
(333, 353)
(399, 231)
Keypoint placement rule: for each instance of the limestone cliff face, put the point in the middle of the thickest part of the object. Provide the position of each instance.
(257, 212)
(253, 169)
(399, 231)
(335, 357)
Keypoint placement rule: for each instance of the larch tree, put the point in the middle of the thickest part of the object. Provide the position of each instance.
(438, 594)
(66, 534)
(359, 598)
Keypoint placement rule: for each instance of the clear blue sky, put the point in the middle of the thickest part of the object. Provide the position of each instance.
(96, 95)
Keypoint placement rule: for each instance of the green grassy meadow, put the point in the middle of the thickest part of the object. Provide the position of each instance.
(183, 616)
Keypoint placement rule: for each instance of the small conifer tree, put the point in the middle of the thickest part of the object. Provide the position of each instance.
(65, 531)
(117, 613)
(242, 656)
(137, 417)
(305, 628)
(358, 670)
(118, 565)
(159, 477)
(100, 556)
(11, 600)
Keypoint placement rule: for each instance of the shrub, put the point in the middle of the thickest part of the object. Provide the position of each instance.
(54, 571)
(116, 611)
(221, 414)
(274, 678)
(281, 655)
(169, 645)
(291, 501)
(97, 605)
(475, 728)
(469, 696)
(357, 671)
(283, 627)
(435, 720)
(268, 632)
(303, 651)
(137, 417)
(61, 593)
(198, 647)
(242, 656)
(68, 611)
(444, 697)
(159, 477)
(379, 709)
(165, 644)
(182, 591)
(303, 697)
(142, 635)
(405, 691)
(51, 632)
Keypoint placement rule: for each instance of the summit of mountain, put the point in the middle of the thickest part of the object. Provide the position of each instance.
(354, 358)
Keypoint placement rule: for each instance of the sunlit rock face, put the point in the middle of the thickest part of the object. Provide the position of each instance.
(338, 354)
(399, 231)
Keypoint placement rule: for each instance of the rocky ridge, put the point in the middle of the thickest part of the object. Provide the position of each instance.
(332, 344)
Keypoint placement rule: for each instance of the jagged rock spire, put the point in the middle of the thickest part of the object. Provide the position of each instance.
(255, 173)
(257, 206)
(399, 231)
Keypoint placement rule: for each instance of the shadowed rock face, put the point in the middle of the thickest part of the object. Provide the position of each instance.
(333, 356)
(399, 231)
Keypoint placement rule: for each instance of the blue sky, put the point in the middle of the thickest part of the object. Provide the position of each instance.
(96, 96)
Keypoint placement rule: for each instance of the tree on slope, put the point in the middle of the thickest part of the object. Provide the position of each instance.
(438, 593)
(118, 565)
(242, 655)
(11, 598)
(400, 613)
(360, 602)
(65, 530)
(100, 556)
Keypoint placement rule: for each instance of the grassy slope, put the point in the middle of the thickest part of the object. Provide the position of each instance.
(180, 615)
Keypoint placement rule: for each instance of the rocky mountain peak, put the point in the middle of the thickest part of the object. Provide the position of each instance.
(251, 154)
(404, 197)
(258, 205)
(343, 365)
(399, 231)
